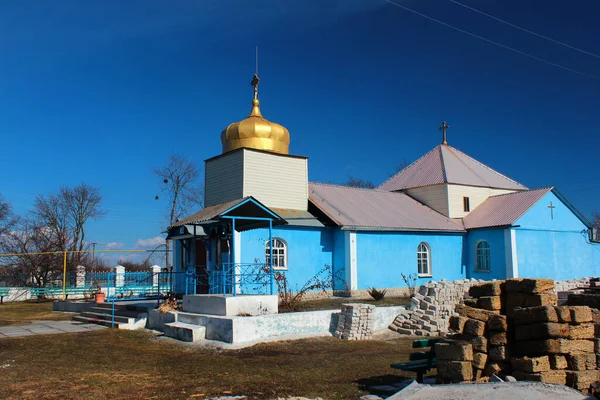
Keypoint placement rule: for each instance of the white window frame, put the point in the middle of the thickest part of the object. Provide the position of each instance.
(424, 254)
(280, 254)
(483, 256)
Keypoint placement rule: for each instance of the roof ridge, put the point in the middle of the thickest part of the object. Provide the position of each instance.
(350, 187)
(485, 166)
(523, 191)
(408, 167)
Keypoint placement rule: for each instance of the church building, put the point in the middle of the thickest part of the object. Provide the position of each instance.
(445, 216)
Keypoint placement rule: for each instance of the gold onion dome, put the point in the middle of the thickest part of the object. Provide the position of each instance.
(255, 132)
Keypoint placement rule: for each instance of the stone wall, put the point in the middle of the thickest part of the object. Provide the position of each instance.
(355, 322)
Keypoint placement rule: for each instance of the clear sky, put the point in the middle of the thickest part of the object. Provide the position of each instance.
(103, 91)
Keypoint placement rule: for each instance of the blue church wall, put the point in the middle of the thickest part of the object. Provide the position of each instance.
(383, 256)
(554, 244)
(339, 260)
(309, 250)
(496, 241)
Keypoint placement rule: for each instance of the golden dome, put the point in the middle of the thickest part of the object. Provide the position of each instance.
(255, 132)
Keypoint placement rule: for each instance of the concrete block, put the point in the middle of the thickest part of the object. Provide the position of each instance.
(533, 286)
(231, 305)
(531, 365)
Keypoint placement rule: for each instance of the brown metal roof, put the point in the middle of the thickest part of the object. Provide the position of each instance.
(446, 164)
(369, 209)
(504, 209)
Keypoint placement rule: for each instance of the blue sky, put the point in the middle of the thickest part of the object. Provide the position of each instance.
(102, 92)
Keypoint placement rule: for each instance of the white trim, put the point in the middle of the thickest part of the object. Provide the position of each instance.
(427, 252)
(237, 243)
(285, 254)
(515, 258)
(508, 254)
(350, 260)
(489, 261)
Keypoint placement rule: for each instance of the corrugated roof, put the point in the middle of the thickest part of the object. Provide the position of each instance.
(297, 217)
(446, 164)
(369, 209)
(504, 209)
(208, 213)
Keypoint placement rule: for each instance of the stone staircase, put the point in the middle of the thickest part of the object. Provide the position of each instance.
(189, 327)
(127, 316)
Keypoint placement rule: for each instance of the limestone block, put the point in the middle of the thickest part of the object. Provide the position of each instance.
(498, 339)
(457, 323)
(475, 313)
(530, 365)
(580, 314)
(543, 330)
(470, 303)
(533, 286)
(558, 361)
(490, 302)
(563, 313)
(556, 377)
(495, 367)
(582, 362)
(525, 316)
(479, 360)
(596, 346)
(454, 371)
(583, 331)
(486, 289)
(477, 374)
(454, 351)
(499, 353)
(530, 300)
(554, 346)
(474, 327)
(498, 323)
(581, 380)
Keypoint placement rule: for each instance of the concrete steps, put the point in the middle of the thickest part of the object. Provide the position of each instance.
(185, 332)
(126, 316)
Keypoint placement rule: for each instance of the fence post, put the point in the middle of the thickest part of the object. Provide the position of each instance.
(80, 276)
(155, 270)
(119, 276)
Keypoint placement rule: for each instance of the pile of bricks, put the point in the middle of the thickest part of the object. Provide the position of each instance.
(356, 322)
(432, 306)
(514, 328)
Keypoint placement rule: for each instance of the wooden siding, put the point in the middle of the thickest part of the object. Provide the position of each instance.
(476, 195)
(276, 180)
(224, 178)
(435, 196)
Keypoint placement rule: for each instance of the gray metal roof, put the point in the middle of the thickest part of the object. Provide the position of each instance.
(446, 164)
(208, 213)
(297, 217)
(369, 209)
(504, 209)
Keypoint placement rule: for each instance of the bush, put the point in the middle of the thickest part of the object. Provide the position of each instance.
(377, 295)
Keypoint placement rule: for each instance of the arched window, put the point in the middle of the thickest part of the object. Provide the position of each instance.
(482, 256)
(424, 259)
(279, 253)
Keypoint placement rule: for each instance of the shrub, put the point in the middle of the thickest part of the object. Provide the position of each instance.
(376, 294)
(411, 281)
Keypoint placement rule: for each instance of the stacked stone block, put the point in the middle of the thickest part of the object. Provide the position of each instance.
(356, 322)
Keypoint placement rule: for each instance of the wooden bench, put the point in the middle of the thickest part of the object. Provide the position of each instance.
(420, 361)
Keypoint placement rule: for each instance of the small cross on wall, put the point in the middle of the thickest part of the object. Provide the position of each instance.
(551, 207)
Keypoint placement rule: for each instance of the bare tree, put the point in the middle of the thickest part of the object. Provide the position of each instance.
(359, 183)
(7, 219)
(65, 214)
(179, 180)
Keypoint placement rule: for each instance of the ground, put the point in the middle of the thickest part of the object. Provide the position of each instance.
(139, 365)
(21, 312)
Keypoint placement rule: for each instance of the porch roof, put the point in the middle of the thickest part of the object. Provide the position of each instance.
(248, 212)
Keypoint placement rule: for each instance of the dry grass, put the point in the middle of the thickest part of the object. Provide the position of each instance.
(335, 303)
(21, 312)
(137, 365)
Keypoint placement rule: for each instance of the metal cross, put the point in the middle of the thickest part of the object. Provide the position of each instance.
(443, 128)
(551, 207)
(254, 83)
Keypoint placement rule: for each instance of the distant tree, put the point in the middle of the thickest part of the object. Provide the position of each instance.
(65, 215)
(400, 167)
(359, 183)
(179, 179)
(7, 218)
